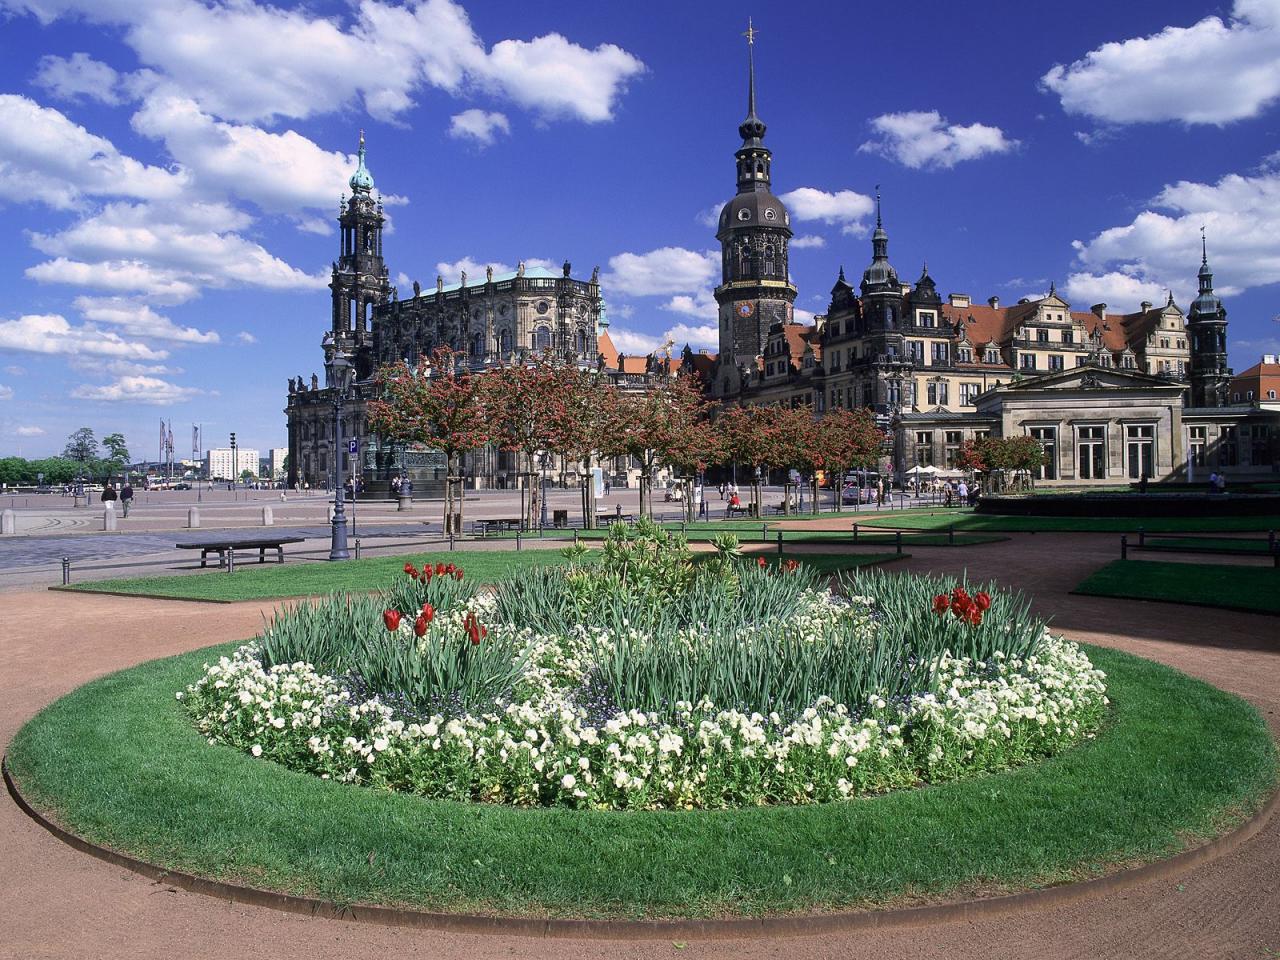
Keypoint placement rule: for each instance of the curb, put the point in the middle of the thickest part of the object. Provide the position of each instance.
(775, 926)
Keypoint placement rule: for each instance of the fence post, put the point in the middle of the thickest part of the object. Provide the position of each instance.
(1124, 546)
(451, 538)
(1271, 541)
(951, 535)
(517, 538)
(779, 543)
(66, 570)
(897, 540)
(357, 548)
(1142, 537)
(855, 531)
(764, 532)
(575, 536)
(231, 559)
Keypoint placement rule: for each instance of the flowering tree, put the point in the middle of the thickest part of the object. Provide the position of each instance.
(654, 423)
(439, 404)
(1024, 455)
(746, 432)
(993, 456)
(689, 454)
(845, 440)
(524, 403)
(586, 423)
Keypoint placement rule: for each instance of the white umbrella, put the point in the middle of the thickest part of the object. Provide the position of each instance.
(918, 471)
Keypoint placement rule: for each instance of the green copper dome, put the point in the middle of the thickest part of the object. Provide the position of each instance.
(362, 180)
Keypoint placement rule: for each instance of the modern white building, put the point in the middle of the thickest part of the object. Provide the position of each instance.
(277, 462)
(220, 465)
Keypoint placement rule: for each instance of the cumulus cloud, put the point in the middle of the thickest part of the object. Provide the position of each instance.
(478, 125)
(244, 336)
(29, 431)
(247, 61)
(843, 207)
(1160, 247)
(808, 241)
(635, 343)
(139, 320)
(1213, 72)
(662, 271)
(475, 269)
(78, 77)
(52, 334)
(701, 305)
(6, 393)
(125, 276)
(136, 389)
(46, 157)
(1120, 291)
(923, 139)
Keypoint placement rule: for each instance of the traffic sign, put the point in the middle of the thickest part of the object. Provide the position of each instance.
(353, 447)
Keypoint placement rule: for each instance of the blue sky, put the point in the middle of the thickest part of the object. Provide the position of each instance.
(170, 170)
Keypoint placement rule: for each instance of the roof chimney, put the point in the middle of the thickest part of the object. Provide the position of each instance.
(1099, 310)
(1146, 305)
(993, 303)
(1268, 358)
(958, 299)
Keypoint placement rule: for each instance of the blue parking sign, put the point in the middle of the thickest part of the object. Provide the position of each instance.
(353, 447)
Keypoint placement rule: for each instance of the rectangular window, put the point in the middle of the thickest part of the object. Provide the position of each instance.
(926, 319)
(1042, 336)
(1140, 442)
(936, 392)
(968, 392)
(1055, 361)
(1228, 447)
(1048, 437)
(993, 356)
(1068, 336)
(915, 350)
(953, 439)
(924, 448)
(940, 353)
(1196, 443)
(1260, 453)
(1091, 455)
(1027, 361)
(964, 355)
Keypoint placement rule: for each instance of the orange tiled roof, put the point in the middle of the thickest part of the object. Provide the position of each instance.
(604, 343)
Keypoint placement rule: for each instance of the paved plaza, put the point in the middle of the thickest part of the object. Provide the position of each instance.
(63, 904)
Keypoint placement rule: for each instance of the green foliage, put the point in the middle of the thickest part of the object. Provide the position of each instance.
(117, 449)
(82, 446)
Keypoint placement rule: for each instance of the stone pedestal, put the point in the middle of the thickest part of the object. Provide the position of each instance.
(268, 518)
(193, 518)
(404, 503)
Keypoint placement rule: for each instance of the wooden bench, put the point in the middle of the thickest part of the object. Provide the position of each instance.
(742, 510)
(499, 524)
(220, 547)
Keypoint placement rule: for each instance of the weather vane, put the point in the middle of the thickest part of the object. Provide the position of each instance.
(751, 33)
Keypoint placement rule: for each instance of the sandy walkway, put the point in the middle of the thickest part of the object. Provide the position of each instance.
(62, 904)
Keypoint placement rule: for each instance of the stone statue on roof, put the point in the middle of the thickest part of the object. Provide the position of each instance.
(488, 273)
(464, 278)
(595, 274)
(417, 289)
(293, 386)
(315, 382)
(439, 284)
(520, 269)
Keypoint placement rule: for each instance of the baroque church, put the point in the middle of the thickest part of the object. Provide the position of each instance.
(1111, 396)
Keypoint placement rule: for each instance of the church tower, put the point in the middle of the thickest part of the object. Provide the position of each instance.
(754, 233)
(359, 280)
(1207, 330)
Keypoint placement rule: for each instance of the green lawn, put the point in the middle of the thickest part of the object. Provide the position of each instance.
(118, 762)
(1232, 587)
(1208, 544)
(275, 581)
(971, 522)
(753, 531)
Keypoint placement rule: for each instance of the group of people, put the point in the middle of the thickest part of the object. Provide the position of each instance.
(125, 495)
(960, 494)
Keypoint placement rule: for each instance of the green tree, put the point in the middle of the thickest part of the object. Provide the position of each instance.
(82, 447)
(117, 451)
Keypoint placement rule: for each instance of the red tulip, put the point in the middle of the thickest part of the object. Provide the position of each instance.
(392, 619)
(983, 600)
(420, 625)
(449, 568)
(940, 604)
(429, 612)
(457, 574)
(792, 566)
(411, 570)
(974, 616)
(762, 562)
(426, 573)
(440, 569)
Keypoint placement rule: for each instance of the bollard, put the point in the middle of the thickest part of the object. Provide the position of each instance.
(517, 539)
(1142, 537)
(951, 535)
(66, 570)
(357, 548)
(897, 539)
(108, 518)
(855, 531)
(618, 513)
(450, 538)
(779, 543)
(764, 532)
(193, 518)
(231, 559)
(7, 522)
(575, 538)
(268, 519)
(1124, 546)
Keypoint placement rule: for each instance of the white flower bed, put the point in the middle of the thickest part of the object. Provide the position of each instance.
(546, 749)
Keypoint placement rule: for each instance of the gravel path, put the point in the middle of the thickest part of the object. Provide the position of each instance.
(62, 904)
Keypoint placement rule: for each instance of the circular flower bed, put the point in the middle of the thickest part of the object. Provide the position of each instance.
(645, 681)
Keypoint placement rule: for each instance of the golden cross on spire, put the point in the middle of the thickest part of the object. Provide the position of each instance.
(750, 34)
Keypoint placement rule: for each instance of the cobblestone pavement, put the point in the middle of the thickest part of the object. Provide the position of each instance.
(62, 904)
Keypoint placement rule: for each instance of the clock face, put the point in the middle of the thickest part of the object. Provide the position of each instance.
(746, 309)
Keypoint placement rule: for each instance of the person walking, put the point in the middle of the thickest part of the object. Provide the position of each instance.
(109, 494)
(962, 492)
(126, 496)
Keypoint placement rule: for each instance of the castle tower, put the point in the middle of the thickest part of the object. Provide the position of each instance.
(1207, 331)
(754, 234)
(359, 279)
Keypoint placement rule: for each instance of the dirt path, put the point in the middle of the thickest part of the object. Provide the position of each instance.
(61, 904)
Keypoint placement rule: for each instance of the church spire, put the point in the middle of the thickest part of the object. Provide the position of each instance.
(362, 180)
(752, 128)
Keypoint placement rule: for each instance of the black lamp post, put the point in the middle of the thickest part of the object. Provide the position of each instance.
(339, 371)
(546, 455)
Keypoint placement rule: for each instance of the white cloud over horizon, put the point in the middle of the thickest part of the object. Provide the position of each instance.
(923, 139)
(136, 389)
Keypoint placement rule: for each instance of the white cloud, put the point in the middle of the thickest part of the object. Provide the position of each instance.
(99, 366)
(139, 320)
(14, 370)
(172, 242)
(452, 272)
(1160, 247)
(701, 305)
(705, 335)
(280, 172)
(46, 157)
(29, 431)
(52, 334)
(710, 217)
(802, 316)
(1121, 292)
(136, 389)
(244, 336)
(125, 276)
(634, 343)
(662, 271)
(251, 62)
(1211, 72)
(808, 241)
(478, 125)
(844, 207)
(924, 139)
(6, 393)
(77, 76)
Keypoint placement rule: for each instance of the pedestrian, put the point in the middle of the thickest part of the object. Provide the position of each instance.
(1213, 482)
(395, 485)
(1222, 483)
(962, 492)
(126, 496)
(880, 491)
(109, 493)
(946, 493)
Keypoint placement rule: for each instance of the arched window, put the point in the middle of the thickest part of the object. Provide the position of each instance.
(477, 345)
(541, 338)
(504, 342)
(580, 341)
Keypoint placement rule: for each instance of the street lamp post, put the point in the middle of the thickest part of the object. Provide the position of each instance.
(339, 371)
(543, 521)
